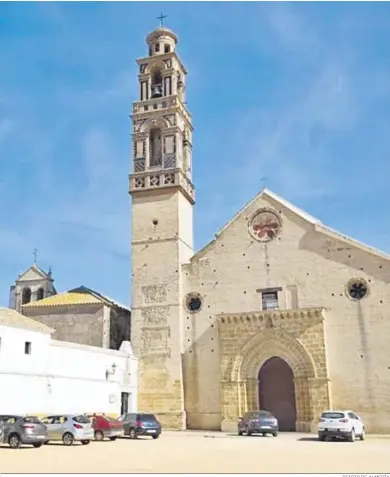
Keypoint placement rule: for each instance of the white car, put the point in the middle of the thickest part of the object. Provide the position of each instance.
(344, 424)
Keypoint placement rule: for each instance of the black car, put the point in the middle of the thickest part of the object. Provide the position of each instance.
(258, 422)
(141, 424)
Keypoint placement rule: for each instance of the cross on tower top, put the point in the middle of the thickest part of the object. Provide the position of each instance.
(264, 181)
(35, 251)
(161, 18)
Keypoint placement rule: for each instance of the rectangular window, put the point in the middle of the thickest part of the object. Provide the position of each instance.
(167, 48)
(270, 300)
(27, 347)
(157, 47)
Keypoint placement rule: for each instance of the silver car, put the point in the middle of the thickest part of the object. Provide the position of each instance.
(17, 430)
(69, 428)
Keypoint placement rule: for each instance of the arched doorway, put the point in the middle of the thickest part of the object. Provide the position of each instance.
(277, 392)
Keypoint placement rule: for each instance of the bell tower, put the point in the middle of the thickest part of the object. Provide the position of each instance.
(162, 226)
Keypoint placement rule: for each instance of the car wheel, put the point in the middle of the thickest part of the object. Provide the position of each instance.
(363, 434)
(352, 436)
(67, 439)
(99, 436)
(275, 434)
(132, 434)
(37, 444)
(85, 443)
(155, 437)
(240, 433)
(14, 441)
(45, 443)
(112, 438)
(321, 437)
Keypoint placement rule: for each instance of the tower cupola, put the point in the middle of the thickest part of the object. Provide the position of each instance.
(161, 41)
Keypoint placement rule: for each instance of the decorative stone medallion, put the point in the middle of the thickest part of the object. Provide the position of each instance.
(265, 225)
(357, 288)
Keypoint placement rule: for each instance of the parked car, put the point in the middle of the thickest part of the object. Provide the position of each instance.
(258, 422)
(18, 430)
(141, 424)
(105, 426)
(69, 428)
(341, 424)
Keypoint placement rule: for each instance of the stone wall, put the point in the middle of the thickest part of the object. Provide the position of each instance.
(83, 324)
(248, 340)
(312, 266)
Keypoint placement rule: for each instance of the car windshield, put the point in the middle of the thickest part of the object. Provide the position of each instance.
(332, 415)
(32, 420)
(81, 419)
(146, 417)
(264, 414)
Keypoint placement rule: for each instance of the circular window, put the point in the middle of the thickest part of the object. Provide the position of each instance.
(193, 302)
(264, 225)
(357, 289)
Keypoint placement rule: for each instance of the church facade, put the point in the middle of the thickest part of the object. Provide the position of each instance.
(278, 312)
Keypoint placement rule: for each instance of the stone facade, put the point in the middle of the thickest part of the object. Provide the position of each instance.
(248, 340)
(82, 324)
(203, 324)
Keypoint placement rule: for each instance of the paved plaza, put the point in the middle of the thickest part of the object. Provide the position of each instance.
(204, 452)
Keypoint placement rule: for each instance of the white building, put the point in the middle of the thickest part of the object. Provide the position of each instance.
(39, 375)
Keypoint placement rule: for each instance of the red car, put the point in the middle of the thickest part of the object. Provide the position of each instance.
(106, 427)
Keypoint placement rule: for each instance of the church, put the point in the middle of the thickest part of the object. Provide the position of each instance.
(80, 315)
(277, 312)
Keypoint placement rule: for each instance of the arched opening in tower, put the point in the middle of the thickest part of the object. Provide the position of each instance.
(155, 148)
(26, 296)
(157, 87)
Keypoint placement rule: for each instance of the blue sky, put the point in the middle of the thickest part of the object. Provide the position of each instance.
(296, 92)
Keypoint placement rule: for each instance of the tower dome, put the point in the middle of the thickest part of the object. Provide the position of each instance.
(161, 40)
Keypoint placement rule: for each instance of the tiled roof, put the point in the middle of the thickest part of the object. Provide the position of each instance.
(107, 299)
(65, 299)
(12, 318)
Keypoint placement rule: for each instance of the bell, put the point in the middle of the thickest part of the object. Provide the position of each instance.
(156, 91)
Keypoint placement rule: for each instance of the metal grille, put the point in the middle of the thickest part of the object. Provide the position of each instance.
(270, 301)
(139, 164)
(169, 161)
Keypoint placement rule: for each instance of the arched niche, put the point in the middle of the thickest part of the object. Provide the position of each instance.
(40, 294)
(26, 295)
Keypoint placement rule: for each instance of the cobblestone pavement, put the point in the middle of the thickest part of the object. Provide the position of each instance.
(204, 452)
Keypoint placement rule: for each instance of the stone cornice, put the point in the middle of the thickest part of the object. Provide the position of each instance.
(260, 316)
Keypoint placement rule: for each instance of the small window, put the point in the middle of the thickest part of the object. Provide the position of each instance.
(167, 48)
(81, 419)
(40, 294)
(270, 300)
(332, 415)
(157, 47)
(27, 347)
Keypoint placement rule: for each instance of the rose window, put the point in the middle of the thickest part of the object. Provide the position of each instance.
(265, 225)
(357, 289)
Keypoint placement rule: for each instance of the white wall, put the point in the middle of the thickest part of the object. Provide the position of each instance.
(61, 377)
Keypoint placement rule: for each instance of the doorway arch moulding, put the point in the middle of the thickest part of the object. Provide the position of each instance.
(246, 343)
